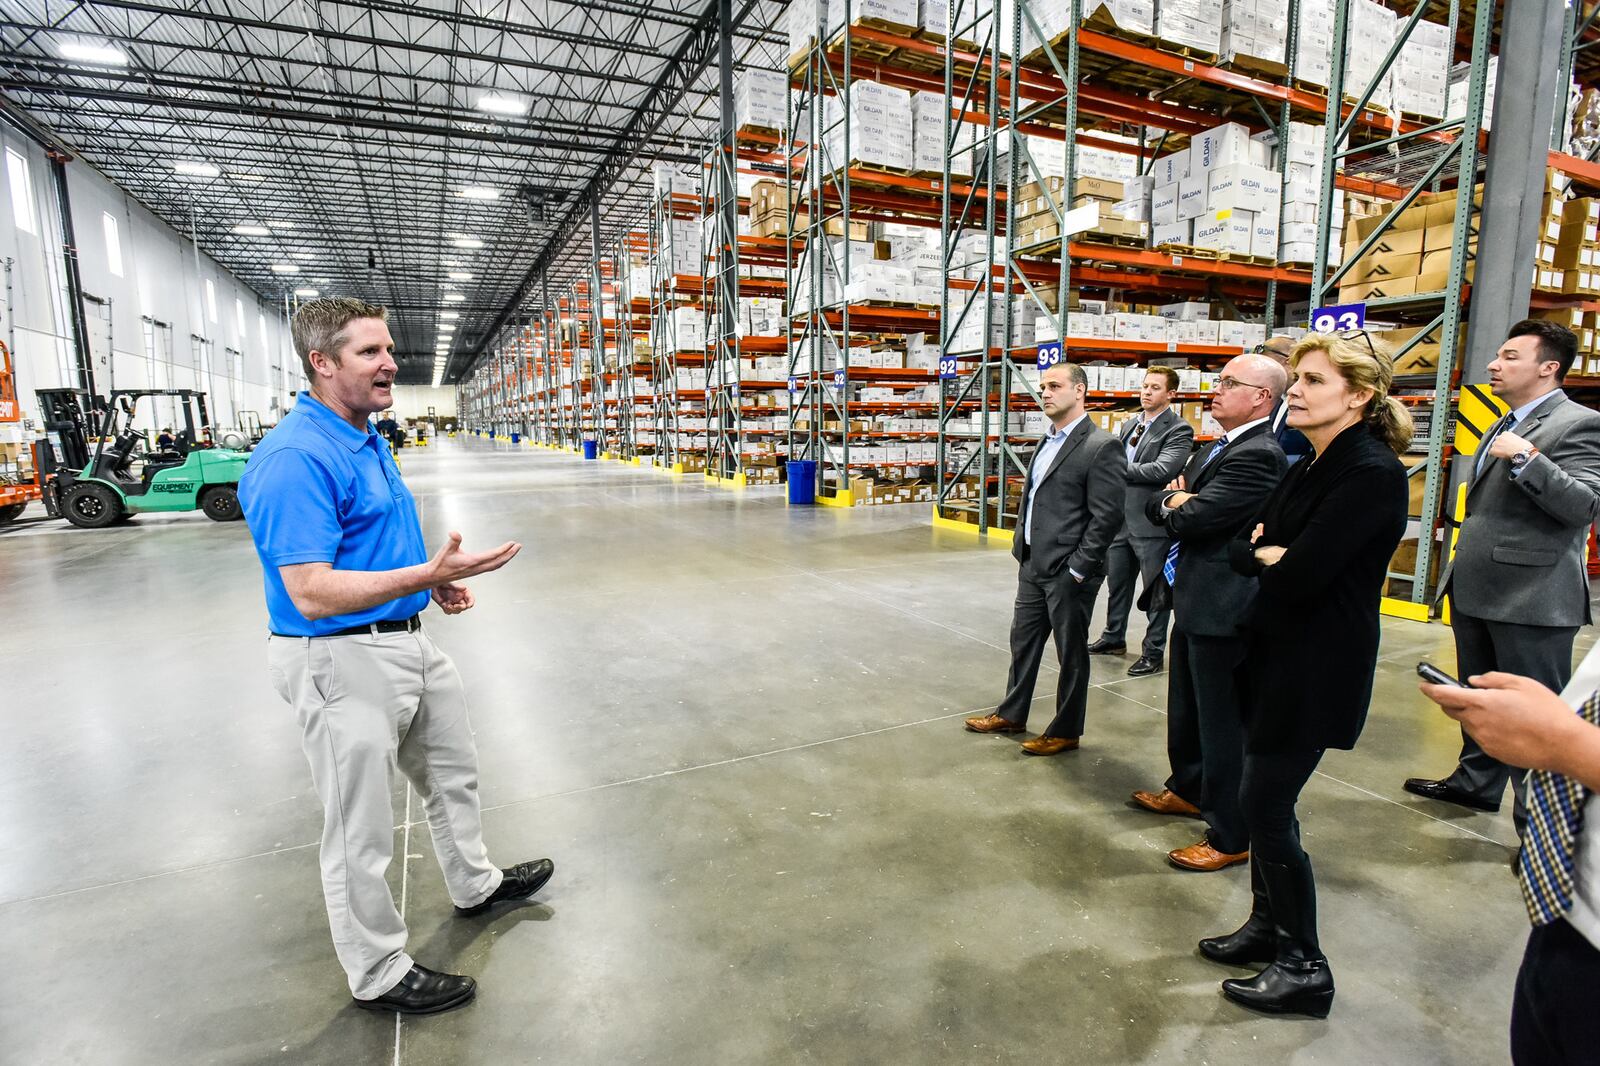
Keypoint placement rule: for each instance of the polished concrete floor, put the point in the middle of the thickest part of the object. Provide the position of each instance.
(735, 726)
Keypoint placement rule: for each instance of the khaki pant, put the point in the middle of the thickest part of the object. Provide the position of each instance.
(366, 704)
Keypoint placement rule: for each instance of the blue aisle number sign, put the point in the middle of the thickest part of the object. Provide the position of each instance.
(1337, 317)
(794, 385)
(838, 378)
(1049, 355)
(948, 368)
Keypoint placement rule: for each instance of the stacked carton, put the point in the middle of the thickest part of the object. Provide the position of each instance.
(1218, 194)
(769, 213)
(760, 100)
(1313, 50)
(1302, 194)
(1099, 208)
(800, 22)
(1370, 33)
(879, 126)
(1413, 254)
(898, 15)
(1255, 35)
(1422, 74)
(928, 115)
(1194, 25)
(1576, 251)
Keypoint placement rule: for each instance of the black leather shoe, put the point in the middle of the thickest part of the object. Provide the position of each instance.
(1144, 666)
(1106, 647)
(1288, 986)
(1443, 790)
(424, 991)
(521, 881)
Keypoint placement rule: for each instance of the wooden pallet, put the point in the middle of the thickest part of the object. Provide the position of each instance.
(1199, 55)
(1257, 67)
(1189, 251)
(1418, 119)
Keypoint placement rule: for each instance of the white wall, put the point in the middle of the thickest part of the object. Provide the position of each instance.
(413, 401)
(162, 280)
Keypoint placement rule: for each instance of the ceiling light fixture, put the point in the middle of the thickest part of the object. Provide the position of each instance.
(252, 231)
(466, 242)
(449, 314)
(480, 192)
(196, 168)
(285, 268)
(309, 294)
(454, 297)
(496, 104)
(459, 275)
(100, 55)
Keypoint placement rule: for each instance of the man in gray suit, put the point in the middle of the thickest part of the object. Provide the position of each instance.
(1071, 512)
(1517, 585)
(1157, 444)
(1219, 494)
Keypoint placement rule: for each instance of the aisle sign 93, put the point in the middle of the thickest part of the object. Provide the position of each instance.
(1049, 354)
(1338, 317)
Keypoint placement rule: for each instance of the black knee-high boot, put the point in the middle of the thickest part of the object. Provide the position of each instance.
(1256, 940)
(1299, 981)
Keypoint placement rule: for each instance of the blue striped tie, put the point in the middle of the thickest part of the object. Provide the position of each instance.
(1555, 815)
(1503, 426)
(1170, 570)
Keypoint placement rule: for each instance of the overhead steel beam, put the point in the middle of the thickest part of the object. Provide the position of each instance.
(686, 67)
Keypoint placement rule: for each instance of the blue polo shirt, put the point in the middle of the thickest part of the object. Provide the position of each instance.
(318, 490)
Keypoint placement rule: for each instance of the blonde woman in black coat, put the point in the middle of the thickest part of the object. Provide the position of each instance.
(1321, 552)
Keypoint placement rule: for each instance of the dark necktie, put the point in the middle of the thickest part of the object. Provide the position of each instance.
(1502, 426)
(1170, 570)
(1137, 435)
(1555, 815)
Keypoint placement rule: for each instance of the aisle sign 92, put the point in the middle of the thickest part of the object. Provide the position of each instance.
(1049, 354)
(948, 367)
(1337, 317)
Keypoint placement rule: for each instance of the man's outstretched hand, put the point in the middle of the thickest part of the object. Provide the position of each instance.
(452, 565)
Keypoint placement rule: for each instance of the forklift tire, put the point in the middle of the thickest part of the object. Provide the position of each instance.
(10, 511)
(221, 504)
(91, 506)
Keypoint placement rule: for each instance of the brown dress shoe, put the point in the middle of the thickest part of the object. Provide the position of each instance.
(1166, 802)
(993, 723)
(1049, 745)
(1205, 858)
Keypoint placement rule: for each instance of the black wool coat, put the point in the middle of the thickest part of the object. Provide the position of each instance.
(1313, 631)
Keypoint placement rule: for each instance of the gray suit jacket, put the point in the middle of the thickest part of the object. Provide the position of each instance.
(1519, 558)
(1078, 510)
(1160, 457)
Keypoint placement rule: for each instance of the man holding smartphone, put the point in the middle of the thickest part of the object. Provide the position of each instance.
(1517, 585)
(347, 578)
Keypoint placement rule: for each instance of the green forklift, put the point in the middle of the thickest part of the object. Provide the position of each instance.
(125, 475)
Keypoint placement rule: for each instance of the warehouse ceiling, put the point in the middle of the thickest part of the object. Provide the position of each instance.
(436, 157)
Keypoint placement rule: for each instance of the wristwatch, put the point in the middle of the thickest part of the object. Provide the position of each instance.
(1523, 458)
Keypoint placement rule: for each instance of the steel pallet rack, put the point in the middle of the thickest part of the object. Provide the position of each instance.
(670, 292)
(831, 194)
(1132, 85)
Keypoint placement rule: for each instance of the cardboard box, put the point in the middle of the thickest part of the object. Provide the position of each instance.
(1192, 196)
(1099, 188)
(1379, 267)
(1377, 290)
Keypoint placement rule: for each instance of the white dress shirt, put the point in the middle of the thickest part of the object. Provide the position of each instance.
(1041, 466)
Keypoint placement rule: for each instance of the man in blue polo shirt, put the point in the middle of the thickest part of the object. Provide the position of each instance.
(347, 579)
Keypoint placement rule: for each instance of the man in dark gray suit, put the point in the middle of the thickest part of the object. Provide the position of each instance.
(1517, 585)
(1220, 492)
(1157, 444)
(1071, 512)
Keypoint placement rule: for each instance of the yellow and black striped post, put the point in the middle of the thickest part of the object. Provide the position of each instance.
(1476, 413)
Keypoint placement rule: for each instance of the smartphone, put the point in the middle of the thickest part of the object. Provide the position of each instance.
(1435, 676)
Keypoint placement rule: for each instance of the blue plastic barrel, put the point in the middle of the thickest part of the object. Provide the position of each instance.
(802, 481)
(591, 449)
(516, 438)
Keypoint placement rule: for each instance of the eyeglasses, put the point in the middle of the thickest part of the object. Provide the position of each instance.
(1352, 334)
(1226, 383)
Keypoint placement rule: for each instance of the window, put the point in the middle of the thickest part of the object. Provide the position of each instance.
(113, 243)
(211, 300)
(238, 310)
(21, 192)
